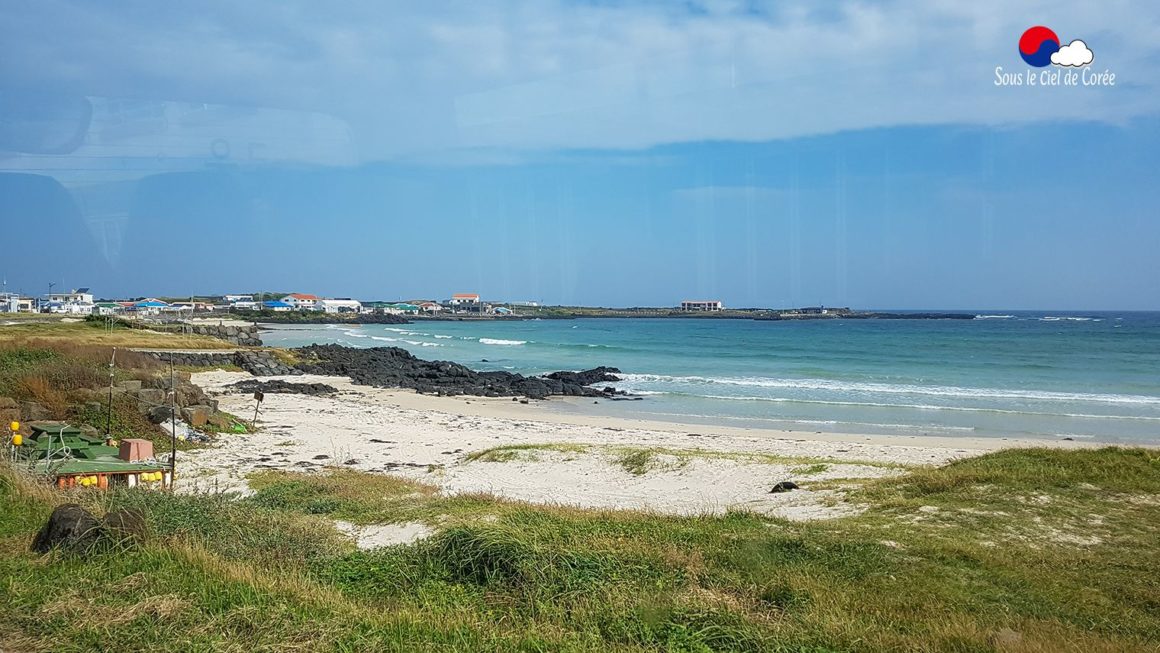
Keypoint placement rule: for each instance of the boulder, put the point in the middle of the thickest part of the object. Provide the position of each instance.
(69, 526)
(30, 411)
(158, 414)
(151, 395)
(196, 415)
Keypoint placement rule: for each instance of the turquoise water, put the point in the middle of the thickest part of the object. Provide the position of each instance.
(1079, 375)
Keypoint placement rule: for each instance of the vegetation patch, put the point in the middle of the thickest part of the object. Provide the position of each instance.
(809, 470)
(100, 333)
(926, 567)
(522, 452)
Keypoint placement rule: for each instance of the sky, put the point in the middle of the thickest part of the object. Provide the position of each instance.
(598, 153)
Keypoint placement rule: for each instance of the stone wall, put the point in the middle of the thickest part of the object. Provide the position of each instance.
(258, 363)
(244, 336)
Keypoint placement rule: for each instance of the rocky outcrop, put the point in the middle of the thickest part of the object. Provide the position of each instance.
(263, 363)
(250, 386)
(587, 377)
(258, 363)
(392, 367)
(196, 358)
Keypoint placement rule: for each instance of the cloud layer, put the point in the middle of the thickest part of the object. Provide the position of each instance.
(527, 75)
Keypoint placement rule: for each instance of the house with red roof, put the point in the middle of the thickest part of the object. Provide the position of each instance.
(301, 301)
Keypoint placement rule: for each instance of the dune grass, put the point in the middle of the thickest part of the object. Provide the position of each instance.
(641, 460)
(933, 564)
(525, 452)
(94, 333)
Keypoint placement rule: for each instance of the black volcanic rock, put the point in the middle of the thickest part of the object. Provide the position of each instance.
(587, 377)
(250, 386)
(392, 367)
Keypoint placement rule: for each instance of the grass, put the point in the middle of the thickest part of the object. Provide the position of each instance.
(51, 374)
(920, 570)
(639, 461)
(94, 333)
(809, 470)
(525, 452)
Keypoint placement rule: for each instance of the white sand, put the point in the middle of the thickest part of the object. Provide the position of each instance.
(428, 438)
(375, 535)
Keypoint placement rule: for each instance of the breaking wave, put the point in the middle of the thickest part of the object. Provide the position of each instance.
(498, 341)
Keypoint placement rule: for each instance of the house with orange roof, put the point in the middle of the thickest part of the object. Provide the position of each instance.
(464, 302)
(301, 301)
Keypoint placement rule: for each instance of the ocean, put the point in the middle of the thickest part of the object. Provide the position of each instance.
(1085, 376)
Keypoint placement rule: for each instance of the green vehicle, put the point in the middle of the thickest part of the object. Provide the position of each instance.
(68, 457)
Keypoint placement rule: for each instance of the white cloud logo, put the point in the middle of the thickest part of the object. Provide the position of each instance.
(1074, 54)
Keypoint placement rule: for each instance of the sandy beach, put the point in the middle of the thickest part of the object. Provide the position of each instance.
(553, 457)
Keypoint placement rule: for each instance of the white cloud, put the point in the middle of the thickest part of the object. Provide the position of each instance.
(1074, 54)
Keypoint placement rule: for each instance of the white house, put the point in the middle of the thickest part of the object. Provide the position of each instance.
(302, 302)
(465, 301)
(234, 299)
(430, 307)
(701, 305)
(76, 302)
(339, 305)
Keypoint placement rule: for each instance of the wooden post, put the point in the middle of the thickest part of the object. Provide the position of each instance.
(172, 422)
(259, 397)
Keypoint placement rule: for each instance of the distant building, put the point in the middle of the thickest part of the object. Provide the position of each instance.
(502, 310)
(148, 306)
(464, 301)
(525, 304)
(302, 302)
(234, 299)
(340, 305)
(276, 306)
(702, 305)
(107, 308)
(75, 302)
(9, 303)
(430, 307)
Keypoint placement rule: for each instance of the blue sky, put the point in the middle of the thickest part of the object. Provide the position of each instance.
(593, 153)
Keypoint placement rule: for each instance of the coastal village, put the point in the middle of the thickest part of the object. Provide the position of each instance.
(258, 306)
(82, 301)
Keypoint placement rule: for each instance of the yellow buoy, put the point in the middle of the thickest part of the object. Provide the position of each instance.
(18, 439)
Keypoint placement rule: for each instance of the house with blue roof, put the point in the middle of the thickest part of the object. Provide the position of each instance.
(276, 305)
